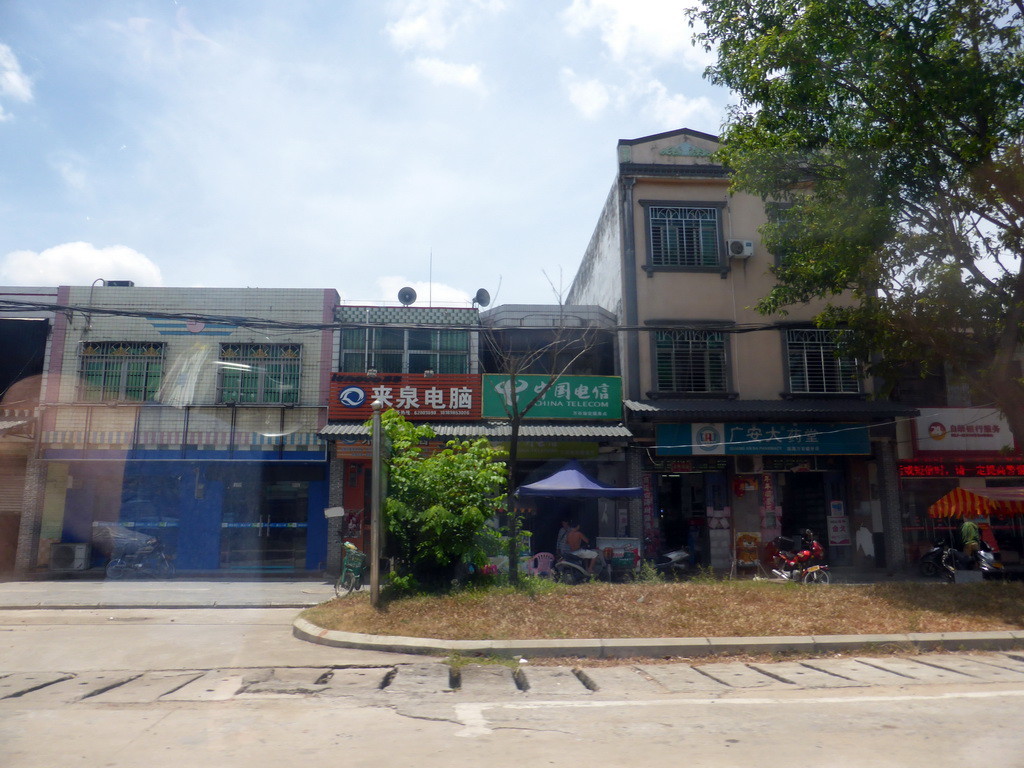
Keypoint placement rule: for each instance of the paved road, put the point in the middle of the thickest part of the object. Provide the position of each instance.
(381, 681)
(214, 687)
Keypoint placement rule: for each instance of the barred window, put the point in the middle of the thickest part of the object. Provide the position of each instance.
(119, 370)
(259, 373)
(684, 237)
(404, 350)
(690, 361)
(815, 367)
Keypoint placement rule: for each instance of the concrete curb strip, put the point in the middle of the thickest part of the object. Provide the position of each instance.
(658, 647)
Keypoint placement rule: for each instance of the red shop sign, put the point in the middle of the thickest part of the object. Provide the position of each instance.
(441, 397)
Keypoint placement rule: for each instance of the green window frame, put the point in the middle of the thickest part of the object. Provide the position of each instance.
(404, 350)
(119, 371)
(269, 374)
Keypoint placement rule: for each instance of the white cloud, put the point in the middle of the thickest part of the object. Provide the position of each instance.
(433, 24)
(646, 29)
(72, 169)
(427, 294)
(676, 109)
(14, 83)
(78, 264)
(422, 24)
(590, 96)
(445, 73)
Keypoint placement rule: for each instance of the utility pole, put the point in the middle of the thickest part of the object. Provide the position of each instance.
(376, 522)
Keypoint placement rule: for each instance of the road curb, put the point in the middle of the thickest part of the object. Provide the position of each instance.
(659, 647)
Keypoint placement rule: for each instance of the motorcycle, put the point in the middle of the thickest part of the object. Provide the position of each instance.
(675, 564)
(569, 569)
(930, 564)
(983, 560)
(134, 554)
(800, 565)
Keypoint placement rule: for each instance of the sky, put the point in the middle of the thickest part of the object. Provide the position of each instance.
(360, 145)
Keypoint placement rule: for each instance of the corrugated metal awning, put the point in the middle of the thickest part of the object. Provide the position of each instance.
(501, 430)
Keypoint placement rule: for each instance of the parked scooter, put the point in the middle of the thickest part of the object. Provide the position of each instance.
(983, 560)
(930, 564)
(570, 569)
(675, 564)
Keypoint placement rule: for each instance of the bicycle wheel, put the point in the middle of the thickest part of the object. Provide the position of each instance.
(117, 569)
(163, 568)
(816, 577)
(349, 581)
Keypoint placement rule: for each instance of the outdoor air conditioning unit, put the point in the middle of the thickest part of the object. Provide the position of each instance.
(740, 249)
(69, 557)
(749, 465)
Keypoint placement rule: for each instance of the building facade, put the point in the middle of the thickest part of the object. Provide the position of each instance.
(745, 427)
(957, 441)
(448, 367)
(188, 414)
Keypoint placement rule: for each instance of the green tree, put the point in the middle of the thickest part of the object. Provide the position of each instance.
(438, 506)
(889, 134)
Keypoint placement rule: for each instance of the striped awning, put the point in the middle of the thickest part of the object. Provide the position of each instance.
(979, 502)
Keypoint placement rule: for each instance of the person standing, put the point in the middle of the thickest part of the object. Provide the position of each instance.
(970, 538)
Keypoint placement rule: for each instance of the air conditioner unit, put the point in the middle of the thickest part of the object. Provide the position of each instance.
(740, 249)
(69, 557)
(749, 465)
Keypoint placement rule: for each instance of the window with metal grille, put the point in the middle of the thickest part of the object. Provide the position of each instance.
(259, 373)
(684, 237)
(815, 366)
(119, 370)
(404, 350)
(690, 361)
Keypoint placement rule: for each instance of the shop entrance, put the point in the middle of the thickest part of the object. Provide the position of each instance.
(264, 526)
(682, 513)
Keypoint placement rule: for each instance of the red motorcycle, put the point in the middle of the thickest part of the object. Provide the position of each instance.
(799, 562)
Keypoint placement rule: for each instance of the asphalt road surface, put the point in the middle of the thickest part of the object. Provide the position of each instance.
(222, 687)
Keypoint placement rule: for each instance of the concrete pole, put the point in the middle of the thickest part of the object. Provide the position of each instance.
(376, 523)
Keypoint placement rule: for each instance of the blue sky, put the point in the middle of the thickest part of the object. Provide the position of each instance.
(360, 145)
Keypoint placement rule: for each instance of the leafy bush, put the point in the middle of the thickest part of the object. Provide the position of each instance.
(439, 506)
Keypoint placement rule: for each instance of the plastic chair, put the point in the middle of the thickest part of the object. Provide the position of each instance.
(540, 564)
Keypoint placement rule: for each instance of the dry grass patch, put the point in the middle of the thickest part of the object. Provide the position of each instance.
(715, 609)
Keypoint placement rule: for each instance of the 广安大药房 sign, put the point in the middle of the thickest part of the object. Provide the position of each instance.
(764, 438)
(568, 397)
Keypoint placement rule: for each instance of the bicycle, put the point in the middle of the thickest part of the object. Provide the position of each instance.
(352, 568)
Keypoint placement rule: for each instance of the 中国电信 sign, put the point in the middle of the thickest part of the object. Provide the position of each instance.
(568, 397)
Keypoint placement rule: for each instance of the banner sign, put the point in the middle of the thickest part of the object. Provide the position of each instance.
(962, 430)
(1009, 468)
(569, 397)
(441, 397)
(764, 438)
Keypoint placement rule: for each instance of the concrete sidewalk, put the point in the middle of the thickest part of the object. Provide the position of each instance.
(277, 593)
(175, 593)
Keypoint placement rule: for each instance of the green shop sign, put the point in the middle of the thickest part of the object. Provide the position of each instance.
(569, 397)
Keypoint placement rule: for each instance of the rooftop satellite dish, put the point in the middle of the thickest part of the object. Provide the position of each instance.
(482, 298)
(407, 296)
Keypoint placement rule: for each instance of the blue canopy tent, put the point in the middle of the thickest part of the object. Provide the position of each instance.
(572, 482)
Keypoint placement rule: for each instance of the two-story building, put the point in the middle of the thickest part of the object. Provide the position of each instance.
(746, 426)
(187, 414)
(448, 367)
